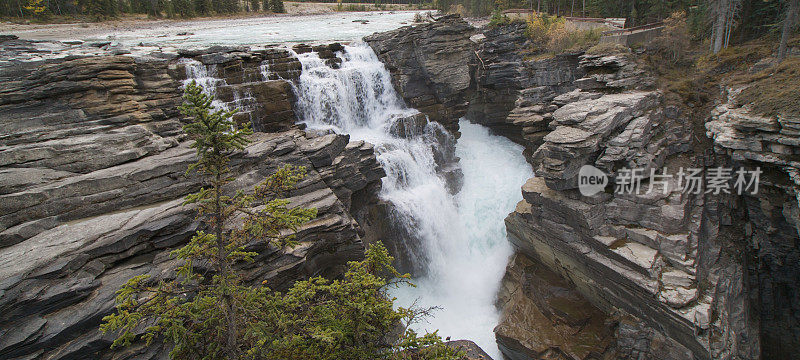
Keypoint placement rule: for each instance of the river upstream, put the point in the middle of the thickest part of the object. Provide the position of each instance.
(340, 26)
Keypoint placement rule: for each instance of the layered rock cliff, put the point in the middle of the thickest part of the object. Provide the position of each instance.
(513, 93)
(667, 274)
(680, 275)
(767, 228)
(103, 137)
(633, 254)
(661, 274)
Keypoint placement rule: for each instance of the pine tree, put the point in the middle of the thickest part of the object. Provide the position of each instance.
(183, 8)
(276, 6)
(232, 6)
(213, 314)
(210, 315)
(203, 7)
(100, 9)
(254, 5)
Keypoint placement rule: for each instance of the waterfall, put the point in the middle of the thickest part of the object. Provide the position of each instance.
(462, 247)
(457, 242)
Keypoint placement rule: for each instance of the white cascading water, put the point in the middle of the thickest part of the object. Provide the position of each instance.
(462, 236)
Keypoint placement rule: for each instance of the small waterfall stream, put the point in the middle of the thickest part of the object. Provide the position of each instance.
(462, 248)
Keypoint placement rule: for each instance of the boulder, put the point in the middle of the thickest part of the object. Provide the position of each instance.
(408, 126)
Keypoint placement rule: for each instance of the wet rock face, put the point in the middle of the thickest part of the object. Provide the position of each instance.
(92, 178)
(513, 94)
(254, 81)
(326, 52)
(429, 64)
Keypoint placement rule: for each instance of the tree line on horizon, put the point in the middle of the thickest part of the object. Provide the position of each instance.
(106, 9)
(719, 20)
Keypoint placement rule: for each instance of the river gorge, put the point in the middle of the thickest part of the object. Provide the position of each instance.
(446, 142)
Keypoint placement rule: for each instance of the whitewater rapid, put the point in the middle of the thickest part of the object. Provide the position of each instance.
(463, 247)
(473, 263)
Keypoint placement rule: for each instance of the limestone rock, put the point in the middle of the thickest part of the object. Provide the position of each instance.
(429, 64)
(93, 164)
(510, 89)
(769, 144)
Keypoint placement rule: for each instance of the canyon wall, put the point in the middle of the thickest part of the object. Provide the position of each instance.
(103, 137)
(666, 274)
(429, 64)
(680, 275)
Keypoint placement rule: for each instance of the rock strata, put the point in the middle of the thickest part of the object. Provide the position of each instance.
(771, 234)
(512, 92)
(680, 275)
(429, 64)
(93, 165)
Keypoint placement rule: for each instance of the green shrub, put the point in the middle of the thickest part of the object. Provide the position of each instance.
(183, 8)
(551, 33)
(499, 19)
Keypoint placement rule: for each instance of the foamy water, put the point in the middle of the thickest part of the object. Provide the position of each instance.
(463, 246)
(459, 240)
(472, 262)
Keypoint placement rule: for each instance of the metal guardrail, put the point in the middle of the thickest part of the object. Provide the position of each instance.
(634, 29)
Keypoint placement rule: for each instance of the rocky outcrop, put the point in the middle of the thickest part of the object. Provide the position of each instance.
(680, 275)
(513, 92)
(545, 317)
(93, 165)
(769, 234)
(429, 64)
(470, 350)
